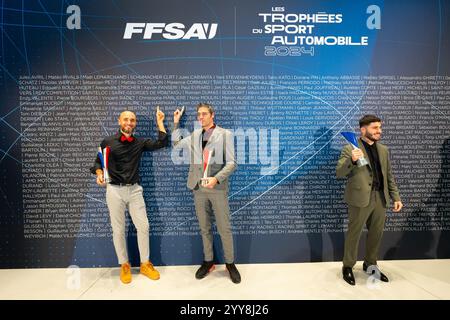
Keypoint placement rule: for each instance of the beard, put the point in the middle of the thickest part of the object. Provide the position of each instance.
(127, 131)
(372, 137)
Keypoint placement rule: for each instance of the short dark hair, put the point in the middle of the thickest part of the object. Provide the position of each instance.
(206, 105)
(368, 119)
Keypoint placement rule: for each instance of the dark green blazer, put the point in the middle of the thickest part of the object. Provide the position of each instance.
(359, 180)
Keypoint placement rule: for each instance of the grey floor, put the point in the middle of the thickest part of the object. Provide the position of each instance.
(410, 279)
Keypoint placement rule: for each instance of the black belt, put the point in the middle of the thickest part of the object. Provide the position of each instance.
(123, 184)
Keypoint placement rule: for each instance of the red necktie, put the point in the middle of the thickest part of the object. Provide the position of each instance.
(123, 138)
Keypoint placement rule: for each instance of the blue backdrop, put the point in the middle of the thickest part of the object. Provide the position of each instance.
(68, 68)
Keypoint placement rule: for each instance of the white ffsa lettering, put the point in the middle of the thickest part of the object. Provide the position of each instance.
(171, 31)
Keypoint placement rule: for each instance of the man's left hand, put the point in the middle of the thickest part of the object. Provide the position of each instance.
(398, 205)
(211, 183)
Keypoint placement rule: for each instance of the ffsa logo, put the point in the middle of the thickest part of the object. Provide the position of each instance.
(171, 31)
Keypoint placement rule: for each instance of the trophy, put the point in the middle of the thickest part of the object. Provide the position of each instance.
(103, 154)
(206, 159)
(352, 139)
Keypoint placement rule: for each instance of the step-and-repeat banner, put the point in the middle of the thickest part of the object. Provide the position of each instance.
(285, 77)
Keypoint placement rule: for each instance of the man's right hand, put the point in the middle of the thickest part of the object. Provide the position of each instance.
(177, 115)
(356, 154)
(100, 178)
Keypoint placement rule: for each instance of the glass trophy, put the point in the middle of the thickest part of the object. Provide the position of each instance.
(104, 155)
(353, 140)
(206, 159)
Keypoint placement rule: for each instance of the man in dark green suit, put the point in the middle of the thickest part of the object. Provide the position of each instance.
(368, 192)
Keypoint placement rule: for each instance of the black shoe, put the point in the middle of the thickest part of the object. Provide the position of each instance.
(348, 276)
(234, 273)
(205, 268)
(382, 275)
